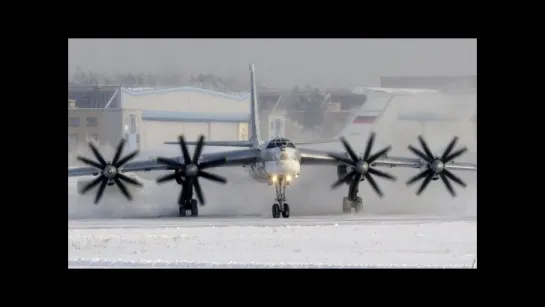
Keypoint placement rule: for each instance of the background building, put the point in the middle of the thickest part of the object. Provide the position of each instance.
(444, 84)
(147, 117)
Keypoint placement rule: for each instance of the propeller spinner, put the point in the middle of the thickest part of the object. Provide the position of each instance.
(109, 171)
(362, 167)
(437, 166)
(188, 173)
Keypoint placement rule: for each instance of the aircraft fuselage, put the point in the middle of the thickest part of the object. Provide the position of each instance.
(274, 163)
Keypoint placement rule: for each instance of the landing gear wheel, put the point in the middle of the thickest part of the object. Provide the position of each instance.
(275, 211)
(181, 211)
(347, 205)
(358, 204)
(194, 208)
(286, 212)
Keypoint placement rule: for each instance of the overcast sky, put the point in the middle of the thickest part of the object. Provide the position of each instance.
(281, 62)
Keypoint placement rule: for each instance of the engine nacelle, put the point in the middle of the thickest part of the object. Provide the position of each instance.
(343, 170)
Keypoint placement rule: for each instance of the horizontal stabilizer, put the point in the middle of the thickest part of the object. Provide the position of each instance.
(217, 143)
(314, 142)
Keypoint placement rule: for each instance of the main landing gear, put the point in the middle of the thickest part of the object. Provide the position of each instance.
(281, 207)
(353, 200)
(188, 205)
(186, 202)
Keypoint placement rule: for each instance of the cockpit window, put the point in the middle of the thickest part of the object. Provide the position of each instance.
(280, 142)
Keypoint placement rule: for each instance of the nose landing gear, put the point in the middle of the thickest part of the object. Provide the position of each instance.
(281, 207)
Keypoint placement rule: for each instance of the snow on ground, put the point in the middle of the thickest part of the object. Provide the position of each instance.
(418, 244)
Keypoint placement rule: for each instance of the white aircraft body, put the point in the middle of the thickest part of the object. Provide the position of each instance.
(276, 162)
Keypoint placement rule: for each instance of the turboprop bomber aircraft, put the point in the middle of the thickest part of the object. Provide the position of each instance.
(276, 162)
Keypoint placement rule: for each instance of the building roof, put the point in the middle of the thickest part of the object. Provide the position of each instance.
(155, 91)
(194, 117)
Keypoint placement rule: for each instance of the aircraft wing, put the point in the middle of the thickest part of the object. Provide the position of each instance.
(216, 143)
(247, 143)
(320, 157)
(232, 158)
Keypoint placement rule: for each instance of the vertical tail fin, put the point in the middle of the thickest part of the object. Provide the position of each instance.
(254, 119)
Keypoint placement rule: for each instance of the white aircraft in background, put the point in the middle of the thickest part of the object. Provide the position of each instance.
(276, 162)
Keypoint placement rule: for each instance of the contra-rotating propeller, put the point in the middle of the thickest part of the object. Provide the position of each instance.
(437, 165)
(362, 167)
(109, 171)
(190, 171)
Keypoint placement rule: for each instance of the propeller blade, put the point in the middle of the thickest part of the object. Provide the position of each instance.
(419, 176)
(128, 179)
(97, 154)
(101, 189)
(418, 153)
(171, 163)
(168, 177)
(378, 155)
(424, 184)
(118, 151)
(185, 152)
(382, 174)
(447, 184)
(123, 188)
(126, 159)
(455, 155)
(349, 150)
(374, 185)
(90, 162)
(212, 163)
(92, 184)
(370, 142)
(340, 181)
(449, 148)
(426, 148)
(212, 177)
(341, 159)
(354, 184)
(454, 178)
(198, 150)
(198, 191)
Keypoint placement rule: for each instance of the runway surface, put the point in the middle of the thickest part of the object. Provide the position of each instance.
(256, 221)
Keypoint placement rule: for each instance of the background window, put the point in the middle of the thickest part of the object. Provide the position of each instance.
(92, 121)
(73, 121)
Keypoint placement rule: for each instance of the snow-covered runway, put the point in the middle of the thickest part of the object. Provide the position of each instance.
(319, 241)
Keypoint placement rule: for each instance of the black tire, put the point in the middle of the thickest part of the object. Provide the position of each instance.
(194, 208)
(275, 211)
(347, 208)
(286, 212)
(181, 211)
(358, 205)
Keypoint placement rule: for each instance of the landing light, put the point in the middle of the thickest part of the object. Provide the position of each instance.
(274, 178)
(288, 178)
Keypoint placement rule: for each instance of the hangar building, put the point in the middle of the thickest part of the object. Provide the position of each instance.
(148, 117)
